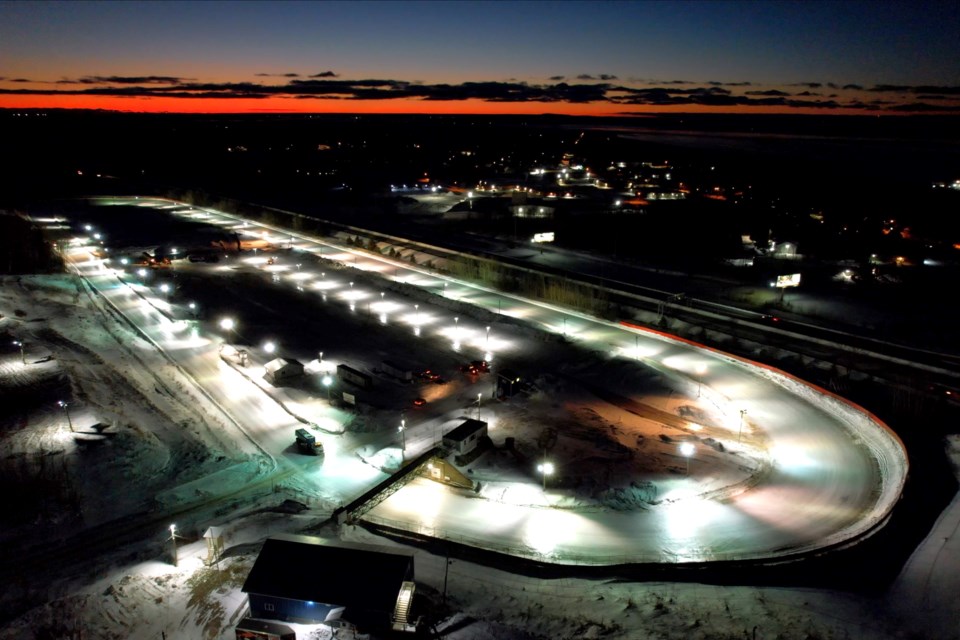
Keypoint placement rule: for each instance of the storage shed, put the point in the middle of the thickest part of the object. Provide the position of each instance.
(280, 371)
(310, 580)
(466, 437)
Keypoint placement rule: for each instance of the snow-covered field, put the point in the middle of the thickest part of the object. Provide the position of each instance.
(134, 433)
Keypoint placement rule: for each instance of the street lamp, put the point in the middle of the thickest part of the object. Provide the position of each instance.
(743, 412)
(173, 539)
(488, 339)
(686, 449)
(228, 324)
(193, 308)
(545, 469)
(479, 396)
(19, 343)
(298, 266)
(327, 381)
(416, 308)
(701, 369)
(269, 346)
(403, 437)
(66, 410)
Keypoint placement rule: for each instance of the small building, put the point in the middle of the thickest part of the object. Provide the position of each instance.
(508, 383)
(281, 371)
(312, 580)
(397, 370)
(351, 375)
(466, 437)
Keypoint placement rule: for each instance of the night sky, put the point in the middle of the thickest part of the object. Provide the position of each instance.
(476, 57)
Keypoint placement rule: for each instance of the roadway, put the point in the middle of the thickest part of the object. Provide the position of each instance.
(834, 473)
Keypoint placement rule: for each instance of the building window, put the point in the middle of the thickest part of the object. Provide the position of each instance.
(267, 606)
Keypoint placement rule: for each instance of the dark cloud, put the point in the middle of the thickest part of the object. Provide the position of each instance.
(667, 93)
(587, 76)
(808, 85)
(854, 87)
(326, 74)
(277, 75)
(809, 94)
(557, 78)
(897, 88)
(768, 92)
(715, 83)
(20, 80)
(125, 80)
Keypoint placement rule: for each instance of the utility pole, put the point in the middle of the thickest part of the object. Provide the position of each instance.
(173, 539)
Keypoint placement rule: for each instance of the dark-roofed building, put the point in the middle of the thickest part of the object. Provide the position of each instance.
(310, 580)
(466, 437)
(280, 371)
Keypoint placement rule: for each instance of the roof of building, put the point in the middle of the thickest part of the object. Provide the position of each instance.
(281, 363)
(330, 572)
(465, 430)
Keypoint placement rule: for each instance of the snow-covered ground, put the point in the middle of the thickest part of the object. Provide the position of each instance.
(127, 438)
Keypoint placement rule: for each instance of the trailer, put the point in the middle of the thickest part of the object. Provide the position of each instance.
(351, 375)
(397, 370)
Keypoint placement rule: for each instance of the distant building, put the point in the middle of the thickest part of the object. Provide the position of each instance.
(397, 370)
(312, 580)
(351, 375)
(280, 371)
(508, 383)
(466, 437)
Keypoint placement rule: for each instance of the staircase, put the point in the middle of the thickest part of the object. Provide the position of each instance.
(401, 613)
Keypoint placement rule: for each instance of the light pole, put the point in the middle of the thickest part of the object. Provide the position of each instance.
(479, 396)
(19, 343)
(687, 450)
(488, 339)
(701, 369)
(456, 325)
(173, 539)
(320, 360)
(403, 438)
(228, 324)
(416, 308)
(545, 470)
(743, 412)
(193, 308)
(66, 410)
(327, 381)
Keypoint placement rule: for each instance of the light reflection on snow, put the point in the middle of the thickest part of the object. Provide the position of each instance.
(546, 529)
(792, 458)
